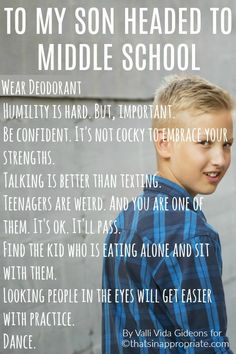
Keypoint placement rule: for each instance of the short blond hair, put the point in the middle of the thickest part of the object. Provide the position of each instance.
(189, 93)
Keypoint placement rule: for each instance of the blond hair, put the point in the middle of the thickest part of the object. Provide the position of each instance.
(189, 93)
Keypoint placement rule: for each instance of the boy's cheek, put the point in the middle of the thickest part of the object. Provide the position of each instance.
(228, 160)
(228, 165)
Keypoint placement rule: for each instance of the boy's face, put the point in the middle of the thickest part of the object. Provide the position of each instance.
(199, 166)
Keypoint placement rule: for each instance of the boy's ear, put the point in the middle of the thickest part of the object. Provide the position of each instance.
(162, 145)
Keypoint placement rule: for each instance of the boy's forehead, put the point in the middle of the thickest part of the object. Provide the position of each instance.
(195, 118)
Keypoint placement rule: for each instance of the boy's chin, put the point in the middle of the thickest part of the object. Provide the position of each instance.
(208, 191)
(203, 191)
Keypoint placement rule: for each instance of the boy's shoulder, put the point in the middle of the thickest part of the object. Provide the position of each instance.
(162, 214)
(144, 226)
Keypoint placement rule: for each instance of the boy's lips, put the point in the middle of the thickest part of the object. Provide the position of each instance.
(213, 176)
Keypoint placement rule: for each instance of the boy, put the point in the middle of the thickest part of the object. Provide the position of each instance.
(164, 278)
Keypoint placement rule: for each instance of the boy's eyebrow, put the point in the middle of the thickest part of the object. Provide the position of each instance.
(204, 136)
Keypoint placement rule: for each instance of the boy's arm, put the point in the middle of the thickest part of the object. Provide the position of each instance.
(198, 304)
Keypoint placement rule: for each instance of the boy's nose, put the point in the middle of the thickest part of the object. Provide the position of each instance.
(218, 157)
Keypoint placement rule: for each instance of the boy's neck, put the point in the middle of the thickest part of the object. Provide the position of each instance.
(165, 172)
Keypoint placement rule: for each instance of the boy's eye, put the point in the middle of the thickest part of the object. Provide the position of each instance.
(227, 145)
(204, 142)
